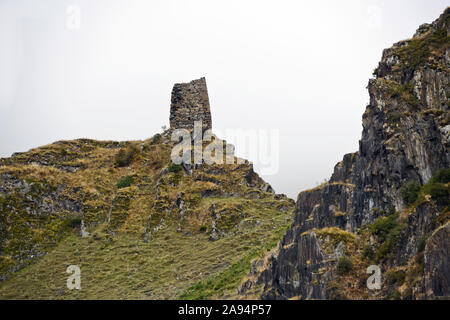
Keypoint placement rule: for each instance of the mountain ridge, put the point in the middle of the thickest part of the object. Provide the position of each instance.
(363, 215)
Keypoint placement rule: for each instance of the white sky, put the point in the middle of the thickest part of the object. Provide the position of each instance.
(300, 67)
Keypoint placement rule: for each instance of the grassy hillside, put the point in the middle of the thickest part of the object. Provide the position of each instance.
(152, 229)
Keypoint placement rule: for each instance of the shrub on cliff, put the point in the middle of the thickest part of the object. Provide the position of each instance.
(125, 182)
(443, 176)
(390, 246)
(439, 192)
(368, 253)
(125, 156)
(395, 277)
(389, 233)
(404, 91)
(438, 188)
(383, 226)
(73, 223)
(174, 167)
(421, 244)
(410, 192)
(157, 138)
(345, 265)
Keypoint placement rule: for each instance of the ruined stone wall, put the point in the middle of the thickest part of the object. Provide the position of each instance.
(190, 103)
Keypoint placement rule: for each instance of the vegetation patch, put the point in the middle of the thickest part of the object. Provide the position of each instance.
(226, 280)
(368, 253)
(345, 265)
(410, 192)
(230, 278)
(73, 223)
(125, 182)
(403, 91)
(439, 192)
(336, 235)
(157, 138)
(438, 188)
(382, 227)
(394, 117)
(418, 50)
(395, 277)
(421, 244)
(125, 156)
(389, 231)
(174, 167)
(443, 176)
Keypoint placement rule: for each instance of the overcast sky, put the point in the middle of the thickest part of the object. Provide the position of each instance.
(104, 69)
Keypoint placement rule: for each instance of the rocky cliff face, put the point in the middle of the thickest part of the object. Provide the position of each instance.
(382, 204)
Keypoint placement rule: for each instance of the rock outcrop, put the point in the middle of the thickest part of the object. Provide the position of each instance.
(405, 142)
(437, 263)
(190, 103)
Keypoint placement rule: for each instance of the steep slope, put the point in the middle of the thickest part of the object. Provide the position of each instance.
(136, 224)
(381, 206)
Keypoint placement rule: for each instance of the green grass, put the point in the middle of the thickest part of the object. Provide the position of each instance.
(125, 267)
(230, 278)
(227, 280)
(125, 182)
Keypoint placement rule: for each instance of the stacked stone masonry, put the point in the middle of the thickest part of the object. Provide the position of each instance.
(190, 103)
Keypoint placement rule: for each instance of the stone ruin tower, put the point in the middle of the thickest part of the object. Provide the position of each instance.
(190, 103)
